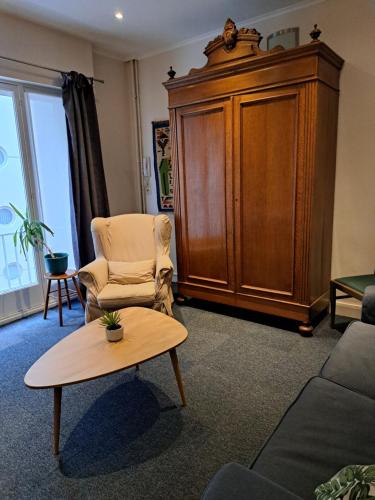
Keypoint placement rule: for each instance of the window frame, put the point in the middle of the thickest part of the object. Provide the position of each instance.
(31, 297)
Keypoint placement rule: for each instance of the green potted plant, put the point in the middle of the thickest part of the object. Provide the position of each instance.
(113, 328)
(31, 233)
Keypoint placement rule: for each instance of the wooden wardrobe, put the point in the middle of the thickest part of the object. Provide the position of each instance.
(254, 151)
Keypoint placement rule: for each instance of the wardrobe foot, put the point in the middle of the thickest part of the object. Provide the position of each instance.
(305, 329)
(180, 299)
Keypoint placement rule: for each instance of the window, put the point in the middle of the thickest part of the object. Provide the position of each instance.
(3, 157)
(34, 176)
(16, 271)
(48, 131)
(7, 216)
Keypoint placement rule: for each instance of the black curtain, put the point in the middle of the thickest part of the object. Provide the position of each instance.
(88, 187)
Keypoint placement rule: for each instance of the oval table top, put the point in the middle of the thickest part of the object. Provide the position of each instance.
(86, 354)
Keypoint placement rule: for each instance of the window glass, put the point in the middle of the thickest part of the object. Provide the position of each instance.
(52, 162)
(15, 270)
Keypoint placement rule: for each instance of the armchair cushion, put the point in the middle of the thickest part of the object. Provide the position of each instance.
(131, 273)
(114, 296)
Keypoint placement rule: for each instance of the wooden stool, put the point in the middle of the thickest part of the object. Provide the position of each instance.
(70, 274)
(351, 286)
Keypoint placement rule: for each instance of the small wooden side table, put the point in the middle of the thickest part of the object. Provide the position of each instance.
(70, 274)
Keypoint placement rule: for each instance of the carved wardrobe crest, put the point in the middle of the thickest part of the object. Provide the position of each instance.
(231, 36)
(253, 150)
(232, 44)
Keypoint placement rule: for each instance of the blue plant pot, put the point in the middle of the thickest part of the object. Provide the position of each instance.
(58, 264)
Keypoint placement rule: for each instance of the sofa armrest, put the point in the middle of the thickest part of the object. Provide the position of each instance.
(233, 481)
(368, 306)
(94, 275)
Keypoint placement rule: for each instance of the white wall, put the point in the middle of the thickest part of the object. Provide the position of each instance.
(348, 28)
(154, 105)
(37, 44)
(116, 120)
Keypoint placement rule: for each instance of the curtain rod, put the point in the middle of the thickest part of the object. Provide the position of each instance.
(43, 67)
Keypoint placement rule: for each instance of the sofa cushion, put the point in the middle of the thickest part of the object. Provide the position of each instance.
(368, 306)
(235, 482)
(117, 296)
(131, 273)
(326, 428)
(352, 361)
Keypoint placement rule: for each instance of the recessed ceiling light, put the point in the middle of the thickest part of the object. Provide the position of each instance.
(119, 15)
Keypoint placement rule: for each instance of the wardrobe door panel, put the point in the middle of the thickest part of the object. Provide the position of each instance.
(205, 184)
(266, 136)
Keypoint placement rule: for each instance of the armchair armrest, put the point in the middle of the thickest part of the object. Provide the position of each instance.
(164, 266)
(238, 482)
(94, 275)
(163, 285)
(368, 306)
(164, 271)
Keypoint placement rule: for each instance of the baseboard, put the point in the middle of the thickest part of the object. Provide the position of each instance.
(350, 308)
(29, 312)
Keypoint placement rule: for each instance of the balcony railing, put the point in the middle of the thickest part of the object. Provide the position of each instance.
(15, 271)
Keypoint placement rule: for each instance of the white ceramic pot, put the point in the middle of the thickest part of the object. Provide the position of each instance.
(114, 335)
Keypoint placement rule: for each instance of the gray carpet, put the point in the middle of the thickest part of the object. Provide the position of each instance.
(125, 436)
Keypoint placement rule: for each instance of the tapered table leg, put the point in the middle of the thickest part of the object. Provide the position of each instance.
(78, 292)
(177, 373)
(67, 293)
(57, 393)
(47, 299)
(59, 302)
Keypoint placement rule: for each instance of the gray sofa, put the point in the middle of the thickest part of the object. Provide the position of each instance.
(330, 424)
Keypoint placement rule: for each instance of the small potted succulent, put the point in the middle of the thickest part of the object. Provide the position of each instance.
(113, 328)
(31, 233)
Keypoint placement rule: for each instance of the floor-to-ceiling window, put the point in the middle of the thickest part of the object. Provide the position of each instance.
(15, 270)
(34, 176)
(48, 133)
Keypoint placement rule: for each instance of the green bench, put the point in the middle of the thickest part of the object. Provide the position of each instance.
(351, 286)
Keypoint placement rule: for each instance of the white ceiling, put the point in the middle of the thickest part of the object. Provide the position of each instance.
(148, 26)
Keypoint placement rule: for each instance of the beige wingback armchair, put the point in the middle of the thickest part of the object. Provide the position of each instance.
(132, 265)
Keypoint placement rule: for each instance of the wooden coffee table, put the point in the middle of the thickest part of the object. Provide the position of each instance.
(86, 354)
